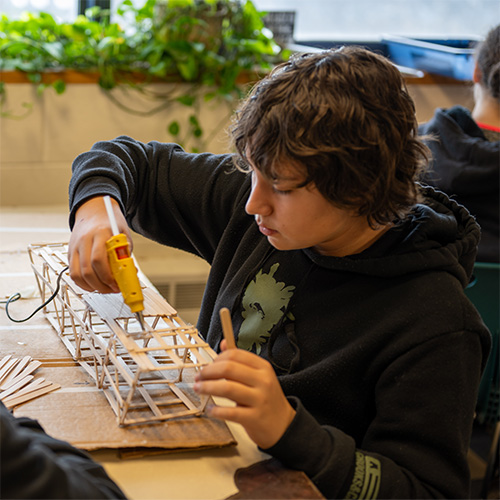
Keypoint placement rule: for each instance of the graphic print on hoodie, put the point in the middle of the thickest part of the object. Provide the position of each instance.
(264, 302)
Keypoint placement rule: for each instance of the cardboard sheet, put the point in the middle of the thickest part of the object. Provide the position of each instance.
(84, 418)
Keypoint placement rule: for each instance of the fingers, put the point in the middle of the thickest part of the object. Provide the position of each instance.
(250, 382)
(89, 267)
(236, 374)
(87, 256)
(236, 414)
(240, 376)
(240, 356)
(242, 395)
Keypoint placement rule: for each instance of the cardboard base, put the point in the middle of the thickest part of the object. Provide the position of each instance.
(80, 413)
(85, 419)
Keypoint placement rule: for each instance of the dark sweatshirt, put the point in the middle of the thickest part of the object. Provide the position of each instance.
(466, 166)
(380, 352)
(35, 465)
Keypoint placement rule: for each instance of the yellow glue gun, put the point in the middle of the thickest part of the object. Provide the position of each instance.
(124, 271)
(123, 267)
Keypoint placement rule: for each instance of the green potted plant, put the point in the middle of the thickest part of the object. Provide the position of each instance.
(207, 47)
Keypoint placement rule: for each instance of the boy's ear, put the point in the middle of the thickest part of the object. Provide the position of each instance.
(476, 74)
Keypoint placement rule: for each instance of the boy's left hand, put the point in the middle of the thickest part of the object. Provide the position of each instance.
(248, 380)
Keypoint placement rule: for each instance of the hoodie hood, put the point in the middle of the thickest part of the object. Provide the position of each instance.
(458, 148)
(438, 234)
(466, 165)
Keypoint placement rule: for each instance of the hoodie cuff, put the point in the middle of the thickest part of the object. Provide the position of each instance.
(305, 444)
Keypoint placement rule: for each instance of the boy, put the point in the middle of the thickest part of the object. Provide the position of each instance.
(359, 355)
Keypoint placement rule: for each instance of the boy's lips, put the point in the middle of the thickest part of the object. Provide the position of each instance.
(266, 231)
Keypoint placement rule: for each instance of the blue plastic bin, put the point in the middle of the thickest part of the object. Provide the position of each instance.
(451, 58)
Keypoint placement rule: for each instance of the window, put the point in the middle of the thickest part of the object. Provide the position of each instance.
(86, 4)
(325, 20)
(364, 20)
(62, 9)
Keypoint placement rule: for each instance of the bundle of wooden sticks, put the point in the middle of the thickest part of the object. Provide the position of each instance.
(17, 382)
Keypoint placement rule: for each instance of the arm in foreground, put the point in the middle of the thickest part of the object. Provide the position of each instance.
(36, 465)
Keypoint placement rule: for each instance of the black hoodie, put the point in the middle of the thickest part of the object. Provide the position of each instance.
(466, 166)
(380, 352)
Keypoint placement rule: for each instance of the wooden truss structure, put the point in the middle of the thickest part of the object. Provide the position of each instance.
(146, 375)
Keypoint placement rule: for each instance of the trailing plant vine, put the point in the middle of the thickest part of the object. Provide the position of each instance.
(205, 47)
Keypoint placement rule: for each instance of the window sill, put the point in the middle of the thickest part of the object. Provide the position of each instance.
(92, 77)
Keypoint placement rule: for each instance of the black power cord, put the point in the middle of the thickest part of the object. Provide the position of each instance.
(17, 296)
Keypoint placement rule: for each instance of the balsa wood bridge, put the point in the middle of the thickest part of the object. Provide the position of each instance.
(146, 375)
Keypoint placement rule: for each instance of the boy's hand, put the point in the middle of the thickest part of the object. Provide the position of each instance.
(87, 256)
(248, 380)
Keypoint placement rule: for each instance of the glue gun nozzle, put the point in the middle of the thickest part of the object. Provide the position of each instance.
(140, 318)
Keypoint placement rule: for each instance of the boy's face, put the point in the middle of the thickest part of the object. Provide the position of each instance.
(294, 217)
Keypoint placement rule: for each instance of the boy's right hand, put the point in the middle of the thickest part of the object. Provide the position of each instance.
(88, 260)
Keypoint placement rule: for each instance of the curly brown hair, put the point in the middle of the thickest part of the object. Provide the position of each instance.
(346, 116)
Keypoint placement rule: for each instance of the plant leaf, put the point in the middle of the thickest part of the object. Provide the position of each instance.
(174, 128)
(59, 86)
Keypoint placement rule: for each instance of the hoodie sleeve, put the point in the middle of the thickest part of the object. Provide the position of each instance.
(415, 445)
(35, 465)
(175, 198)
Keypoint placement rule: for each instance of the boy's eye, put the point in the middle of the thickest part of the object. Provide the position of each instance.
(281, 191)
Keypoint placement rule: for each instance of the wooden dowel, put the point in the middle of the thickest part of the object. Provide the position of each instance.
(227, 328)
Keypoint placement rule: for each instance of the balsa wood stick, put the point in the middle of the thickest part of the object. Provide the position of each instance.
(4, 360)
(33, 386)
(4, 372)
(17, 384)
(9, 381)
(227, 327)
(17, 400)
(15, 387)
(20, 366)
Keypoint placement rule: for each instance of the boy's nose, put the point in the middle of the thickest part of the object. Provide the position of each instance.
(258, 201)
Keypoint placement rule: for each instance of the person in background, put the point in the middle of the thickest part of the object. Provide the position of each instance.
(466, 148)
(359, 355)
(34, 465)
